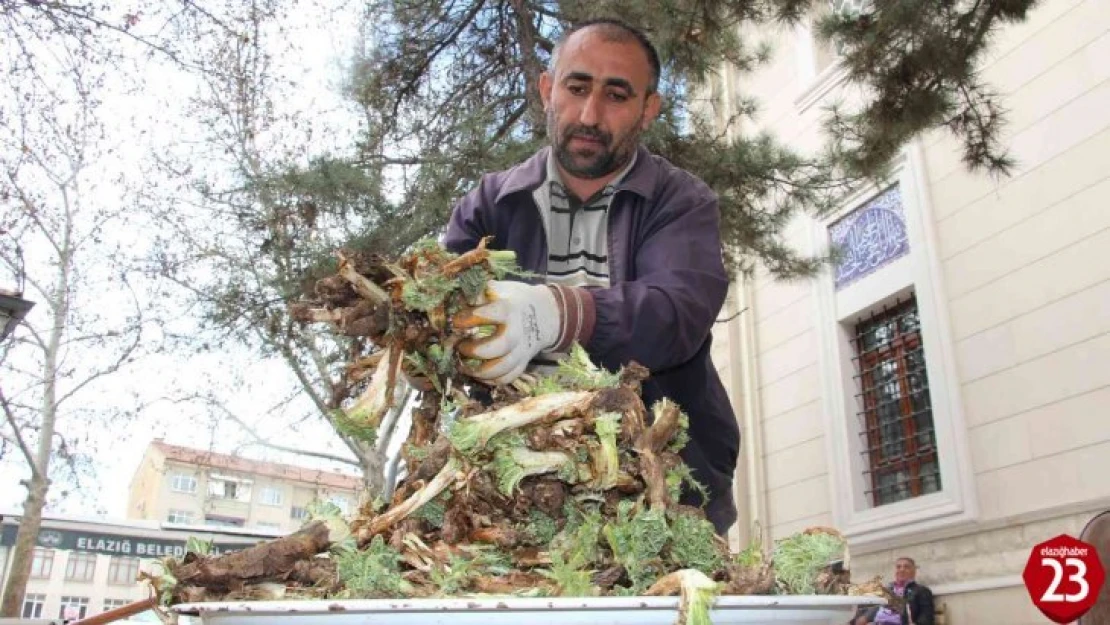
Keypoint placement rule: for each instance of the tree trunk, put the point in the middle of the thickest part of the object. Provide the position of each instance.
(23, 551)
(373, 464)
(532, 66)
(24, 548)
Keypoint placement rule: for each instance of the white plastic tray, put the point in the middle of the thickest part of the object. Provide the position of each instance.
(728, 610)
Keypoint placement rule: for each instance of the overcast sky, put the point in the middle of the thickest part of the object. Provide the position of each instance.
(322, 40)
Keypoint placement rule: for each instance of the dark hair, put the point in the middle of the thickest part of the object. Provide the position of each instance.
(616, 30)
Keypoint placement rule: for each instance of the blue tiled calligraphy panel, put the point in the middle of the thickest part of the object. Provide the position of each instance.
(870, 237)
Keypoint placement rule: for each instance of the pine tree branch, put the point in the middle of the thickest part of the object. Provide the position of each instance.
(470, 87)
(508, 124)
(409, 88)
(540, 9)
(382, 159)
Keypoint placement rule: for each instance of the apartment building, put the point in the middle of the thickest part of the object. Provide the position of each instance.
(942, 393)
(84, 566)
(187, 486)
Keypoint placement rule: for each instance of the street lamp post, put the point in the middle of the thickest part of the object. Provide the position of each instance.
(12, 309)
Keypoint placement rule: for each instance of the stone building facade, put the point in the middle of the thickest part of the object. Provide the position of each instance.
(941, 394)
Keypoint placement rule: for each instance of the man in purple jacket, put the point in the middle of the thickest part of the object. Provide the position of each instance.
(628, 246)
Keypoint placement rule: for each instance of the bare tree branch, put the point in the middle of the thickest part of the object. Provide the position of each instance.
(121, 359)
(261, 440)
(27, 453)
(52, 10)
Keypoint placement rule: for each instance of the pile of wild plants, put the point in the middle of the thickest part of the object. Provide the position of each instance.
(564, 485)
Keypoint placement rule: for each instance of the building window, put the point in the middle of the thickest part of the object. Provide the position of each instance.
(896, 415)
(891, 391)
(341, 502)
(184, 483)
(184, 517)
(73, 608)
(271, 496)
(42, 563)
(123, 570)
(81, 566)
(297, 513)
(112, 604)
(223, 487)
(32, 605)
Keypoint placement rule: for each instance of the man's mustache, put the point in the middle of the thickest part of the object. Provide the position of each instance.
(587, 132)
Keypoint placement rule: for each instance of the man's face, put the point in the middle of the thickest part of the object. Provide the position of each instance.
(904, 571)
(597, 104)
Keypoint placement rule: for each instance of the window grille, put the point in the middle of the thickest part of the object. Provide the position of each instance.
(298, 513)
(896, 417)
(112, 604)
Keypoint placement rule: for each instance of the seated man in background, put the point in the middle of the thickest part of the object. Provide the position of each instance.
(919, 606)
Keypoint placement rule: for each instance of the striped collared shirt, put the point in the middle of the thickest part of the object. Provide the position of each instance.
(577, 230)
(577, 239)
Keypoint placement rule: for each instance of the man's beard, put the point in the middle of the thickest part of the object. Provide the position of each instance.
(608, 158)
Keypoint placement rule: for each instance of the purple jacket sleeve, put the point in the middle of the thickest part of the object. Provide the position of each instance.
(663, 317)
(465, 228)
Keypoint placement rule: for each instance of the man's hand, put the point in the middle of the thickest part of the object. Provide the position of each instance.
(527, 320)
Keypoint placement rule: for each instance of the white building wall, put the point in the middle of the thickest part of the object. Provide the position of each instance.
(96, 591)
(140, 536)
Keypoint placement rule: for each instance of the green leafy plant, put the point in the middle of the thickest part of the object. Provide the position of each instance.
(372, 571)
(798, 559)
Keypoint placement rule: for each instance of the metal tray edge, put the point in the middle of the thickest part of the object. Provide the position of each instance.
(517, 604)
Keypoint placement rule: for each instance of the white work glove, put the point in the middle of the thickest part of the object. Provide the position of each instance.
(527, 319)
